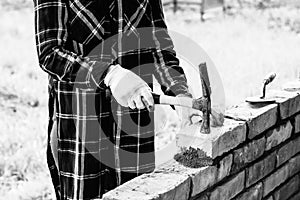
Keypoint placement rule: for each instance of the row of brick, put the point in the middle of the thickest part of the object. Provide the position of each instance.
(235, 188)
(261, 118)
(289, 190)
(271, 140)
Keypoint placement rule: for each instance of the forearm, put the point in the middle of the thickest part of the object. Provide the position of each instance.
(168, 71)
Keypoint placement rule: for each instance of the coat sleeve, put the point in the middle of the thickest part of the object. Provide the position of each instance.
(51, 34)
(167, 70)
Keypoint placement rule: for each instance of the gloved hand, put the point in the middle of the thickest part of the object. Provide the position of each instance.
(128, 89)
(187, 116)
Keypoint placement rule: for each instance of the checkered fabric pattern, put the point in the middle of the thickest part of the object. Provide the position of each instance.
(100, 143)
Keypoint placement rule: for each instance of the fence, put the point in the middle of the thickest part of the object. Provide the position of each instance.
(204, 5)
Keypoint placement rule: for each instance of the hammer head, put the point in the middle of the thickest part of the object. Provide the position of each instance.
(211, 117)
(206, 102)
(215, 119)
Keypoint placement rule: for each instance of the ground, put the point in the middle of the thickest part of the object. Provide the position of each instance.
(244, 46)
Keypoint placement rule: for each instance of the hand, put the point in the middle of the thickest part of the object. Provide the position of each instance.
(187, 116)
(128, 89)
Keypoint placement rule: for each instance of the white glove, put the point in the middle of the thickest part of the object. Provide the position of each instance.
(128, 89)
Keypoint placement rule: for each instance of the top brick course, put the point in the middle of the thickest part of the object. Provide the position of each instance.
(258, 117)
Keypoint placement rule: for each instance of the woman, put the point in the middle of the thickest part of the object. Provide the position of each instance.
(101, 57)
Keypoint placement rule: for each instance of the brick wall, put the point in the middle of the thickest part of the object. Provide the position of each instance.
(256, 156)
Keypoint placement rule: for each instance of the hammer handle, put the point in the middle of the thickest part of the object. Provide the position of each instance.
(170, 100)
(269, 78)
(206, 89)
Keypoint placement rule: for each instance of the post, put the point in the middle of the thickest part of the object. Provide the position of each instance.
(202, 10)
(175, 6)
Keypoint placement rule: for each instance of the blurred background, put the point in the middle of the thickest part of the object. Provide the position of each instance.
(246, 39)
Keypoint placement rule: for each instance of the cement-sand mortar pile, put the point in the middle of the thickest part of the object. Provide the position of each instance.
(194, 158)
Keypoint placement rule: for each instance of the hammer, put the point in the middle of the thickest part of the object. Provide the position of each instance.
(203, 103)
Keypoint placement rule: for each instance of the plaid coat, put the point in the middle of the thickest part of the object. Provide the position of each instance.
(100, 143)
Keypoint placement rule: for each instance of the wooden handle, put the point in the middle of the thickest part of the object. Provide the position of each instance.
(269, 78)
(175, 101)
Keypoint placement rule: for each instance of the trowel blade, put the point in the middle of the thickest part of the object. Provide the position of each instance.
(258, 99)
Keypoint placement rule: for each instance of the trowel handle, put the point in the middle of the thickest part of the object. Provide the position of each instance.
(269, 78)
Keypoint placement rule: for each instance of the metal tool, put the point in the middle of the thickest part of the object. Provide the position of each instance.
(206, 90)
(203, 103)
(266, 81)
(263, 99)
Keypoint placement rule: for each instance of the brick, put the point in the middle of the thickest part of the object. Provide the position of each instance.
(230, 189)
(275, 179)
(288, 189)
(294, 165)
(204, 179)
(225, 167)
(253, 193)
(202, 197)
(153, 186)
(292, 86)
(248, 153)
(127, 191)
(287, 151)
(295, 197)
(261, 169)
(278, 135)
(220, 140)
(201, 178)
(288, 102)
(297, 124)
(258, 117)
(297, 145)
